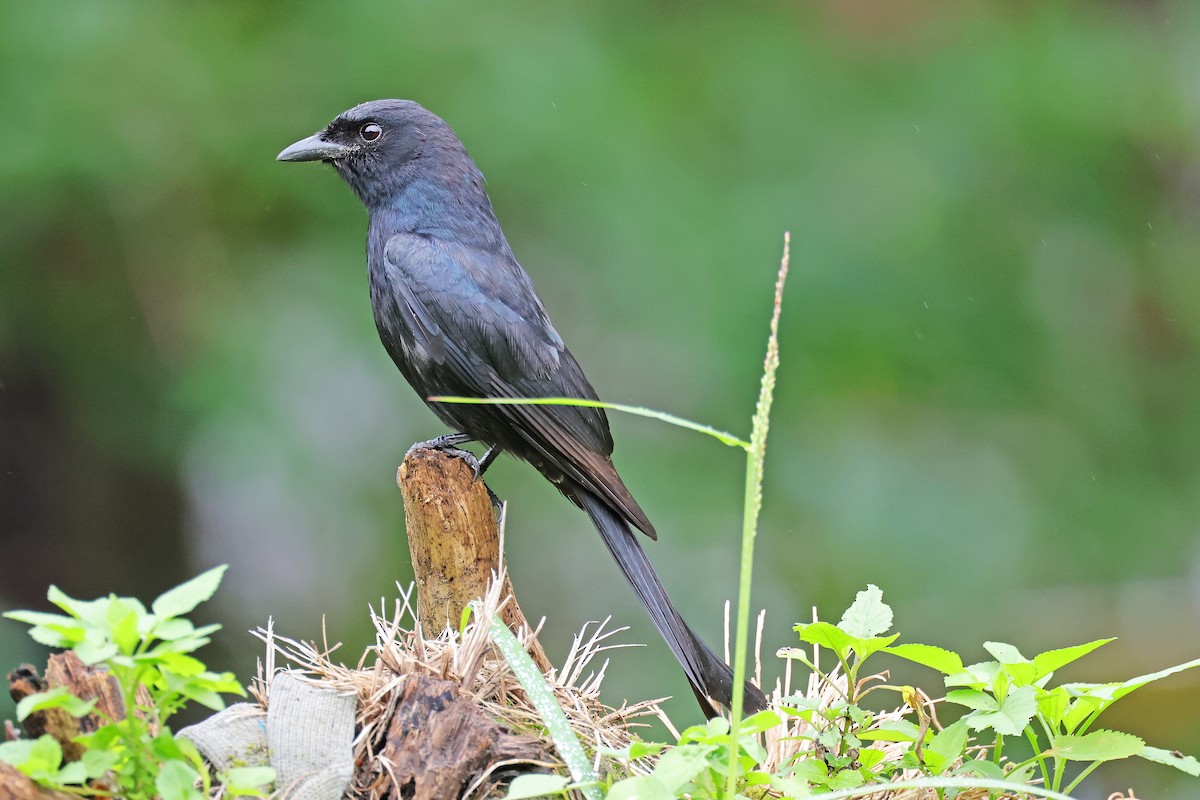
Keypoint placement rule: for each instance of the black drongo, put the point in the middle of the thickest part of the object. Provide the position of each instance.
(459, 316)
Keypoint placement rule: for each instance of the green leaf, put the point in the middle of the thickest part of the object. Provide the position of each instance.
(897, 730)
(1053, 660)
(762, 721)
(975, 676)
(39, 756)
(1172, 759)
(1053, 704)
(92, 653)
(41, 618)
(123, 624)
(1012, 715)
(846, 779)
(945, 661)
(1111, 692)
(826, 635)
(1014, 667)
(97, 762)
(66, 602)
(1096, 746)
(642, 749)
(868, 615)
(679, 765)
(524, 786)
(790, 787)
(973, 698)
(1005, 653)
(55, 698)
(73, 772)
(186, 596)
(534, 684)
(950, 742)
(171, 629)
(177, 781)
(641, 787)
(981, 767)
(247, 781)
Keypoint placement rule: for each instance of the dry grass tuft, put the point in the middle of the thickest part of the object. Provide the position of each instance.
(470, 659)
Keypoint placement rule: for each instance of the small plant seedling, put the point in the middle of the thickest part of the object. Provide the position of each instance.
(148, 653)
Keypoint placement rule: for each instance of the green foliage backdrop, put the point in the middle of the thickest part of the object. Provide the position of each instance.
(990, 395)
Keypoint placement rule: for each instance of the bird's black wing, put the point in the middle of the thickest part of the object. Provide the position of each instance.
(478, 321)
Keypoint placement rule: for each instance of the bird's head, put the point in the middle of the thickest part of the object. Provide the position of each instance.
(377, 146)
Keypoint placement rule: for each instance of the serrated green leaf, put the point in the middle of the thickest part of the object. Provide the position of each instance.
(53, 637)
(1011, 717)
(868, 615)
(55, 698)
(826, 635)
(945, 661)
(1005, 653)
(526, 786)
(973, 698)
(41, 618)
(186, 596)
(679, 765)
(1053, 660)
(975, 676)
(1177, 760)
(950, 742)
(1096, 746)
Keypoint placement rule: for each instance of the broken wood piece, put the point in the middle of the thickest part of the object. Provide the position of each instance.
(454, 541)
(440, 743)
(15, 786)
(87, 683)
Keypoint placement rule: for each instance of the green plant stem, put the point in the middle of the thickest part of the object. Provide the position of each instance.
(1037, 756)
(1086, 771)
(751, 506)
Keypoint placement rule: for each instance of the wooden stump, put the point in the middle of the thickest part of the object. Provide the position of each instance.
(454, 541)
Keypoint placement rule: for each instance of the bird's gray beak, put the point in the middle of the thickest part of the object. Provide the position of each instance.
(314, 148)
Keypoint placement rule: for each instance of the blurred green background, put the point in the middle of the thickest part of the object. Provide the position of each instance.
(990, 394)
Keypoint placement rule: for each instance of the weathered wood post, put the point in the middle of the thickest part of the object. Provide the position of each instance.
(454, 541)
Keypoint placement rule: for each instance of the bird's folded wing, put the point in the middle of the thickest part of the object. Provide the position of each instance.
(479, 313)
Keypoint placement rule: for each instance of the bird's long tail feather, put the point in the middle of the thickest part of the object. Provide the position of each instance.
(711, 678)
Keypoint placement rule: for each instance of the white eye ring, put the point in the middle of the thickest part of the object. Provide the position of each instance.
(370, 132)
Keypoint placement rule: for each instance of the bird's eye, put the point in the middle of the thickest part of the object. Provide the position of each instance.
(370, 132)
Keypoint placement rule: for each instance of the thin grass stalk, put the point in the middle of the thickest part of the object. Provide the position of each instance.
(753, 504)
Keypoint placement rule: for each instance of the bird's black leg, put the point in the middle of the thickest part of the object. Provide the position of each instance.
(487, 460)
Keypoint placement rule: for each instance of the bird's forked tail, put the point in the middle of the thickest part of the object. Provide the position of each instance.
(711, 678)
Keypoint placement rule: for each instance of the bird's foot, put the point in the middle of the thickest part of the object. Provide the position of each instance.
(449, 444)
